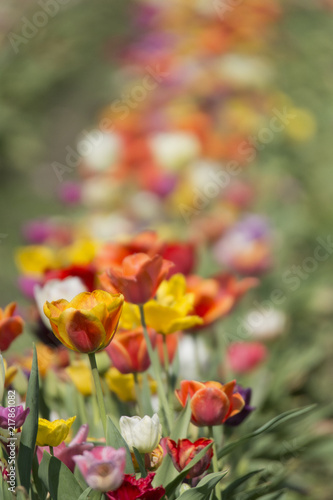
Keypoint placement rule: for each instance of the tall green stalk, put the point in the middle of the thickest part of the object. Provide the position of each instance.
(99, 392)
(157, 373)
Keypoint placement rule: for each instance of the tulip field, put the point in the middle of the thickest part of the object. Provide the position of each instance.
(166, 250)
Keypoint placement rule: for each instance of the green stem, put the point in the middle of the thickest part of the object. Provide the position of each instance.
(215, 462)
(138, 393)
(51, 451)
(157, 372)
(98, 387)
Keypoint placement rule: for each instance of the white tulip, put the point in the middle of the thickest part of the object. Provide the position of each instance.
(144, 434)
(67, 289)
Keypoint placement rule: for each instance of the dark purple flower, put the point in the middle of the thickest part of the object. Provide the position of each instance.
(13, 413)
(242, 415)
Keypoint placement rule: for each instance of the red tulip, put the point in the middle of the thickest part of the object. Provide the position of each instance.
(138, 278)
(184, 451)
(11, 326)
(137, 489)
(128, 351)
(211, 402)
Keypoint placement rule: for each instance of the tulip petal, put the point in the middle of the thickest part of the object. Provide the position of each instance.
(209, 406)
(82, 330)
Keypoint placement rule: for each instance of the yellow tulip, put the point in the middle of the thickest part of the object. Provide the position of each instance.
(88, 322)
(80, 375)
(123, 385)
(170, 312)
(53, 433)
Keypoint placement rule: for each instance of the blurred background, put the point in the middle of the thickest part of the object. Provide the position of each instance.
(58, 82)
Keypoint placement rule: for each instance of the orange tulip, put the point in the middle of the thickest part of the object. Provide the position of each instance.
(211, 402)
(215, 297)
(128, 351)
(87, 323)
(11, 326)
(138, 278)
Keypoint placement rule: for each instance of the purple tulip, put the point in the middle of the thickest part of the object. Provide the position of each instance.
(66, 453)
(103, 467)
(8, 416)
(242, 415)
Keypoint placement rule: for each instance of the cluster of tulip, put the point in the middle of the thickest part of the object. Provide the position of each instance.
(124, 321)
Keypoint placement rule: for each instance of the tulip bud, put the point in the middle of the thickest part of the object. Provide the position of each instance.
(141, 433)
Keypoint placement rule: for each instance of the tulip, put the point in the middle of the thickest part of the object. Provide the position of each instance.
(169, 313)
(184, 451)
(102, 467)
(214, 298)
(128, 351)
(124, 385)
(18, 416)
(53, 433)
(66, 453)
(80, 374)
(11, 326)
(211, 402)
(137, 489)
(138, 278)
(242, 357)
(54, 290)
(141, 433)
(87, 323)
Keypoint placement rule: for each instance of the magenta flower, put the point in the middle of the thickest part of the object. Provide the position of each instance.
(103, 467)
(13, 413)
(66, 453)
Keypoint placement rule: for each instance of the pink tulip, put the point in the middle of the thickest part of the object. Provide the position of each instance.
(243, 357)
(103, 467)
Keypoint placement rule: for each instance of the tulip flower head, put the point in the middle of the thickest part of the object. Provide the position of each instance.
(170, 312)
(103, 467)
(143, 434)
(138, 277)
(184, 451)
(87, 323)
(128, 351)
(137, 489)
(11, 326)
(242, 357)
(53, 433)
(211, 402)
(18, 416)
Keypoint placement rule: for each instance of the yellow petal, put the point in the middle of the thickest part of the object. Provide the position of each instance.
(53, 433)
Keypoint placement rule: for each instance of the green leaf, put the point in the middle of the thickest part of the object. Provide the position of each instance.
(5, 493)
(58, 479)
(205, 487)
(30, 427)
(266, 427)
(90, 494)
(116, 440)
(167, 472)
(140, 461)
(172, 485)
(228, 492)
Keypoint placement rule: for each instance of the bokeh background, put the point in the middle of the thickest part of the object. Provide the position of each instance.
(55, 86)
